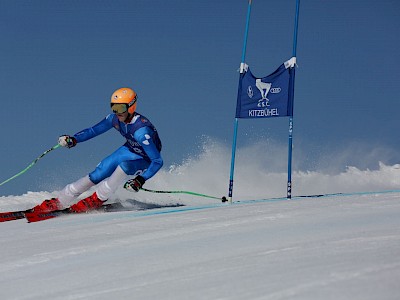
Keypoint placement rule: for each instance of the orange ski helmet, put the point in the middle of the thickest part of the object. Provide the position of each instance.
(122, 100)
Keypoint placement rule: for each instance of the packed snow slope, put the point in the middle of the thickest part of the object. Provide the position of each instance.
(337, 247)
(343, 246)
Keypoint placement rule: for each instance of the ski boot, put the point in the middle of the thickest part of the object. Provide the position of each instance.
(90, 203)
(47, 206)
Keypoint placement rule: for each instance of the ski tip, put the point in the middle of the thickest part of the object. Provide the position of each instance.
(11, 216)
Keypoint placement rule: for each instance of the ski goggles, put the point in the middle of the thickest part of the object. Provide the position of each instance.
(120, 108)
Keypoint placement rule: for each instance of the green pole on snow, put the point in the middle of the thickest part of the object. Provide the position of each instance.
(223, 199)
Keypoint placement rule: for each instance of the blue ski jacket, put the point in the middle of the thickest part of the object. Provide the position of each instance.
(141, 138)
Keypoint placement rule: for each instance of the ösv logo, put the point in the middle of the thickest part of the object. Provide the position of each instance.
(250, 91)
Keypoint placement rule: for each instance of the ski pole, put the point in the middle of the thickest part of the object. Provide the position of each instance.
(31, 165)
(223, 199)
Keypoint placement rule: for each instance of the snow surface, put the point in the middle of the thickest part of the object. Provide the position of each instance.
(344, 246)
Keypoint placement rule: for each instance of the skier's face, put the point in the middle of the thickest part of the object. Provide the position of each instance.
(122, 116)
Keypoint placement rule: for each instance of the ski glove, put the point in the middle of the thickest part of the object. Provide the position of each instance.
(134, 184)
(67, 141)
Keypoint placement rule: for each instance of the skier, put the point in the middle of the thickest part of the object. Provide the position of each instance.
(139, 156)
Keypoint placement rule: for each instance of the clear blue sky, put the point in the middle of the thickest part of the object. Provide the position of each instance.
(61, 60)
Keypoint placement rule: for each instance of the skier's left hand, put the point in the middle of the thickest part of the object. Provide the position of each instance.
(135, 184)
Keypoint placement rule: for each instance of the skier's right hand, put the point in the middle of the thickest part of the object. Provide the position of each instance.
(67, 141)
(135, 184)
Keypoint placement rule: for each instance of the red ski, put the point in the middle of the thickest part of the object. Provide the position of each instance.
(32, 216)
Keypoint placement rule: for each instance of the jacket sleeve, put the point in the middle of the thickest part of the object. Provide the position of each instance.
(91, 132)
(144, 137)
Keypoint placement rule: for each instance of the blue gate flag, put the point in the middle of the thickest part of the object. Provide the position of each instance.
(270, 96)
